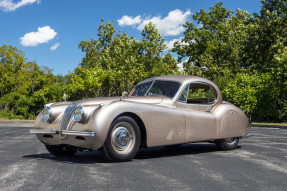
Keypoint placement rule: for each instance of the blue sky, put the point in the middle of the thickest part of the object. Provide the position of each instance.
(49, 31)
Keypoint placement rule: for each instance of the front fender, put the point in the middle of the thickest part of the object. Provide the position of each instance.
(163, 125)
(103, 117)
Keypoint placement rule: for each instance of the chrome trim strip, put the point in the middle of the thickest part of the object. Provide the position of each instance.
(43, 131)
(80, 133)
(149, 87)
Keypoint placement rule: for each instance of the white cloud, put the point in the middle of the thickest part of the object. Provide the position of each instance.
(170, 25)
(180, 66)
(43, 35)
(9, 5)
(129, 21)
(55, 46)
(170, 44)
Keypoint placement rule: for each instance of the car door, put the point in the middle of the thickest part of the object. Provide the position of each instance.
(165, 125)
(198, 100)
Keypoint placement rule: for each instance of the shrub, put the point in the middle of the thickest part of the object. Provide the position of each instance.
(255, 94)
(14, 105)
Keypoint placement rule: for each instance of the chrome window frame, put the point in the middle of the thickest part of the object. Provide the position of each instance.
(140, 84)
(153, 81)
(149, 87)
(198, 82)
(187, 86)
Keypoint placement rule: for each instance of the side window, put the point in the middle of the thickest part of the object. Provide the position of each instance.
(198, 93)
(183, 96)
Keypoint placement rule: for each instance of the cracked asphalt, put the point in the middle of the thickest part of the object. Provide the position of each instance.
(259, 163)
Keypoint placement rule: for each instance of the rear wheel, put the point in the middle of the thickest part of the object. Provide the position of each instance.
(61, 150)
(227, 144)
(123, 140)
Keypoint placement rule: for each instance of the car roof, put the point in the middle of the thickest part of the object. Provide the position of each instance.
(186, 79)
(180, 78)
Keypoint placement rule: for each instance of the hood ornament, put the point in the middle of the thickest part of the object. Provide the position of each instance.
(124, 95)
(64, 97)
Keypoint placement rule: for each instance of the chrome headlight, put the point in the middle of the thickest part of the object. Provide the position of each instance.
(78, 114)
(47, 114)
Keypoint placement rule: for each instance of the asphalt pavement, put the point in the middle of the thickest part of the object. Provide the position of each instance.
(259, 163)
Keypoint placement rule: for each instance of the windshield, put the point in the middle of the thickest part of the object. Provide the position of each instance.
(156, 88)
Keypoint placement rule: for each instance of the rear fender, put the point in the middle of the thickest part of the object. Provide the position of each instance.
(232, 122)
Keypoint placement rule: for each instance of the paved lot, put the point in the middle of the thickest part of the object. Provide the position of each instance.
(260, 163)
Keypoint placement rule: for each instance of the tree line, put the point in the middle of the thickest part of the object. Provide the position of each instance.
(244, 54)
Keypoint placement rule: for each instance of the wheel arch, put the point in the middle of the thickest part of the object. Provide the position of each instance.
(140, 124)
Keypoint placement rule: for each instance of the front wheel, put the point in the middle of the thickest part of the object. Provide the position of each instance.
(61, 150)
(227, 144)
(123, 140)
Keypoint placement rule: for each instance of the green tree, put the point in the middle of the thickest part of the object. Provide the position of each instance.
(269, 35)
(217, 46)
(33, 73)
(24, 86)
(116, 62)
(151, 53)
(11, 67)
(244, 54)
(269, 53)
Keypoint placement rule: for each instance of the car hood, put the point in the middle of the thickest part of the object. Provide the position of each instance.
(105, 100)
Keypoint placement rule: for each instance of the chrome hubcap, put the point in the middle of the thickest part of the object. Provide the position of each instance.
(230, 140)
(123, 138)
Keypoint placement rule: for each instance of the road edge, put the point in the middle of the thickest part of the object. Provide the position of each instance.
(22, 121)
(269, 126)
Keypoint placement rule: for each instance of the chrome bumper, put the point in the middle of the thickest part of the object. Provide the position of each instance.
(43, 131)
(79, 133)
(64, 132)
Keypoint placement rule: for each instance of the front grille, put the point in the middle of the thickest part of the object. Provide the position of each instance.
(67, 117)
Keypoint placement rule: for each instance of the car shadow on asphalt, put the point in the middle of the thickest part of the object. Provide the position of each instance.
(84, 157)
(87, 157)
(185, 149)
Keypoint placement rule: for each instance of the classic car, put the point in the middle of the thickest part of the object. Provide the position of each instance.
(160, 111)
